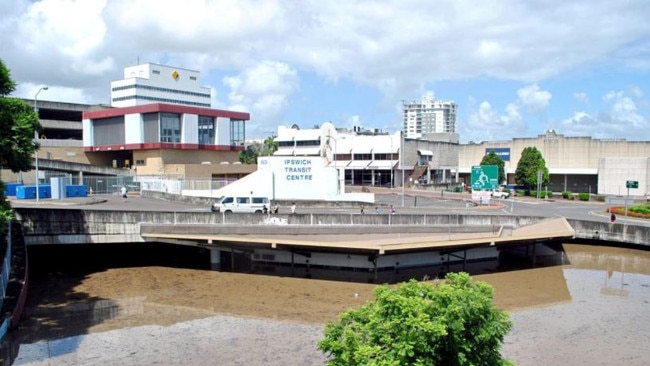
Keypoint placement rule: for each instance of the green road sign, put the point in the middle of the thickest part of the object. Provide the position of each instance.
(632, 184)
(485, 177)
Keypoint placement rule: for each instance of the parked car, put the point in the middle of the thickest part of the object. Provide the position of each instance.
(499, 194)
(233, 204)
(514, 188)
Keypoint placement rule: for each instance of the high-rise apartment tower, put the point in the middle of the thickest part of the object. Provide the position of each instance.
(428, 116)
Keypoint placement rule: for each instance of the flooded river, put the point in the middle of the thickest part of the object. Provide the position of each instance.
(165, 307)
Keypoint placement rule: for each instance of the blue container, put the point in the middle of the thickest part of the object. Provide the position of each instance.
(44, 191)
(10, 188)
(76, 191)
(26, 192)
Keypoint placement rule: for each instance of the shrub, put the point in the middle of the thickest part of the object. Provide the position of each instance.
(583, 196)
(567, 195)
(641, 209)
(452, 322)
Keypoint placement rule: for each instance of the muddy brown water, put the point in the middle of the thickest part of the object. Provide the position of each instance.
(593, 310)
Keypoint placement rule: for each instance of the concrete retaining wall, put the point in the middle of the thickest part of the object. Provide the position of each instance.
(630, 234)
(73, 226)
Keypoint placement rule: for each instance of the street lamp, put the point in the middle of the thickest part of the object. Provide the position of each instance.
(391, 161)
(36, 139)
(401, 160)
(338, 178)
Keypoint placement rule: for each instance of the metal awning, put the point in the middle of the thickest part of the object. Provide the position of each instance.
(425, 152)
(358, 164)
(382, 164)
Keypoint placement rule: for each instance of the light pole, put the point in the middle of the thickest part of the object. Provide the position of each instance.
(401, 160)
(36, 138)
(338, 178)
(391, 161)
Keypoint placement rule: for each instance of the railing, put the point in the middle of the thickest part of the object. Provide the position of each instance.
(6, 264)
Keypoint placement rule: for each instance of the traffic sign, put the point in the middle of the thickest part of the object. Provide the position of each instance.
(632, 184)
(485, 177)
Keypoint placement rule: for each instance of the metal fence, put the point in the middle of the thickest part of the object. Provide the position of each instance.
(110, 184)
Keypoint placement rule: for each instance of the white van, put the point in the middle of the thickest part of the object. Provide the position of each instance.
(232, 204)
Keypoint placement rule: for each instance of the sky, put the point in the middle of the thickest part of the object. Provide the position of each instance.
(514, 68)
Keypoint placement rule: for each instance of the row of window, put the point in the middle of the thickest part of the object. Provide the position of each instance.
(342, 157)
(156, 88)
(164, 100)
(299, 143)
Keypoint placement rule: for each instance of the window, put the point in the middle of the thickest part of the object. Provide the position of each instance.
(243, 200)
(139, 162)
(227, 200)
(237, 133)
(170, 127)
(308, 143)
(192, 77)
(362, 156)
(206, 130)
(156, 72)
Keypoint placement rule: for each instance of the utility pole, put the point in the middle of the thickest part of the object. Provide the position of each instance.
(36, 140)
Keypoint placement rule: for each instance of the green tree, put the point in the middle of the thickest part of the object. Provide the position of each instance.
(18, 122)
(266, 148)
(270, 146)
(531, 162)
(493, 159)
(249, 156)
(452, 322)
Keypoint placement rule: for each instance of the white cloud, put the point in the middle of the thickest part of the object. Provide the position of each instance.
(612, 96)
(55, 94)
(385, 44)
(636, 91)
(625, 111)
(581, 97)
(533, 99)
(262, 90)
(621, 119)
(399, 48)
(487, 124)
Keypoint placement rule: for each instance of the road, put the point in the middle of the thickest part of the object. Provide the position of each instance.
(413, 201)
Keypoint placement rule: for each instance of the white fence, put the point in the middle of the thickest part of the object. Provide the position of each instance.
(195, 188)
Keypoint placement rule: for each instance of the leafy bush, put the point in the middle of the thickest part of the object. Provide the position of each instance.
(521, 192)
(583, 196)
(567, 195)
(6, 213)
(641, 209)
(452, 322)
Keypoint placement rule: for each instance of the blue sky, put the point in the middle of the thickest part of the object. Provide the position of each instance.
(515, 68)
